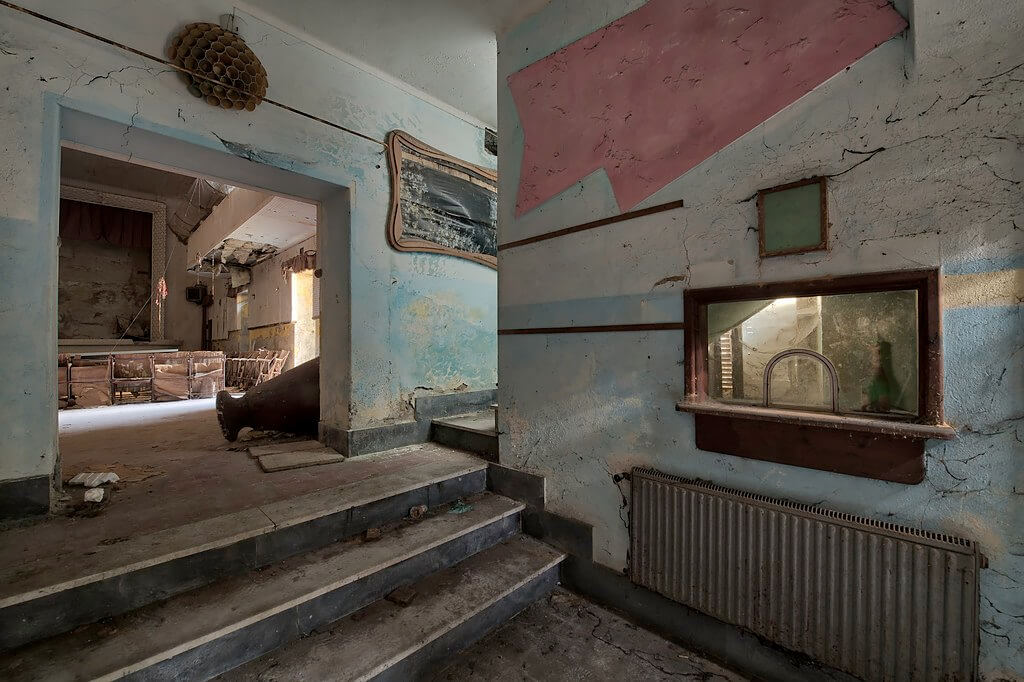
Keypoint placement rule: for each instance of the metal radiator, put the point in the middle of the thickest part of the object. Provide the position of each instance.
(877, 600)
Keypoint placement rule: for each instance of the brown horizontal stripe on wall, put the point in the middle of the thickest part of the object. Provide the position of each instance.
(651, 327)
(594, 223)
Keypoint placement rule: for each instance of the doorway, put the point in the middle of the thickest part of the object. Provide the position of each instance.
(306, 316)
(190, 287)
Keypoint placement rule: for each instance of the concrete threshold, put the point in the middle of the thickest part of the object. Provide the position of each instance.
(471, 432)
(477, 422)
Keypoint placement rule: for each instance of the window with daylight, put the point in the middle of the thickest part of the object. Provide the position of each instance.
(842, 374)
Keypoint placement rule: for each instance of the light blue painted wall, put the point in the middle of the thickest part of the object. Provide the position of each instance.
(396, 346)
(946, 192)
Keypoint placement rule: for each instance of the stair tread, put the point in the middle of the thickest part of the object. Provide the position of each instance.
(363, 645)
(159, 631)
(477, 422)
(166, 545)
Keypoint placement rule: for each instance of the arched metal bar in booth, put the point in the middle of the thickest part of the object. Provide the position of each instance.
(833, 375)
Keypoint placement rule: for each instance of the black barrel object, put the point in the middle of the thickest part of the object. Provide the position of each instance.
(289, 402)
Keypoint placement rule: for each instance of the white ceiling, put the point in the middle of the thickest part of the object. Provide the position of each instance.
(282, 223)
(446, 48)
(244, 238)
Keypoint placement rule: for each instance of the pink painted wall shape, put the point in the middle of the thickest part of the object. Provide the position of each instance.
(653, 94)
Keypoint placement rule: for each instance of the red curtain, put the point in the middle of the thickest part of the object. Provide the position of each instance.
(117, 226)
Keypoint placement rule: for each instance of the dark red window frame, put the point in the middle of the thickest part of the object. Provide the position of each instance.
(858, 446)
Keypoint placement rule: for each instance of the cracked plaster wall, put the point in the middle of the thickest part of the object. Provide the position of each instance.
(183, 321)
(269, 313)
(395, 348)
(922, 140)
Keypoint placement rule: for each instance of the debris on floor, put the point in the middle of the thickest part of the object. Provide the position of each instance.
(94, 480)
(460, 507)
(256, 434)
(135, 473)
(402, 596)
(416, 513)
(371, 534)
(94, 495)
(83, 509)
(112, 541)
(278, 448)
(252, 438)
(566, 637)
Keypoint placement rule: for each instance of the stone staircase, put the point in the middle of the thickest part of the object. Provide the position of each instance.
(474, 432)
(295, 588)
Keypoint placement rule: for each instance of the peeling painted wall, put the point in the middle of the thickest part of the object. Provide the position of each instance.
(269, 314)
(922, 141)
(99, 284)
(182, 320)
(46, 68)
(270, 290)
(273, 337)
(306, 335)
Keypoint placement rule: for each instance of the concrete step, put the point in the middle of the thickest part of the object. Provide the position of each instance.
(120, 577)
(202, 633)
(471, 432)
(452, 609)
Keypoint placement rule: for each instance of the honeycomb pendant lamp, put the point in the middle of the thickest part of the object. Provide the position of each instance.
(237, 79)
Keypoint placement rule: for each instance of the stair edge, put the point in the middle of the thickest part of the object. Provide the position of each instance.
(536, 573)
(226, 541)
(394, 560)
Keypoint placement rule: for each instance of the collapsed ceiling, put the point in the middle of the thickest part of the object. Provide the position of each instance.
(239, 253)
(247, 228)
(272, 225)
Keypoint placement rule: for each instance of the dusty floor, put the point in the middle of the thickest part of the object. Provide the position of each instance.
(175, 468)
(566, 637)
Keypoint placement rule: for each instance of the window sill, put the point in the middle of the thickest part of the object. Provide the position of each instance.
(855, 446)
(820, 419)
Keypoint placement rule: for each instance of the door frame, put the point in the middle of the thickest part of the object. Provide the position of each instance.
(66, 126)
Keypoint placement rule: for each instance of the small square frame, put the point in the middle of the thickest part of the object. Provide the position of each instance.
(822, 244)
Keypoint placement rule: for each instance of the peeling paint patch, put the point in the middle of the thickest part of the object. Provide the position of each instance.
(579, 108)
(257, 155)
(1003, 288)
(669, 280)
(449, 340)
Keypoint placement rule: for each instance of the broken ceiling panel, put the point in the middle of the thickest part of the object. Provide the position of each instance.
(250, 227)
(282, 223)
(203, 197)
(232, 257)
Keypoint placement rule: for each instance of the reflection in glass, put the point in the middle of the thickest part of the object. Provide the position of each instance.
(871, 338)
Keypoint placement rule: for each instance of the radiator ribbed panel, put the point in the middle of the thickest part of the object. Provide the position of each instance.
(877, 600)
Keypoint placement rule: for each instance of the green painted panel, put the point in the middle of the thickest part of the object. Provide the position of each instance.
(792, 219)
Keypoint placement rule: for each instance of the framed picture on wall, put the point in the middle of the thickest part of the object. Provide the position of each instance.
(440, 204)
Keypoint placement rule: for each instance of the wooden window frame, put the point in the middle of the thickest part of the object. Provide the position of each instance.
(822, 244)
(854, 445)
(396, 140)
